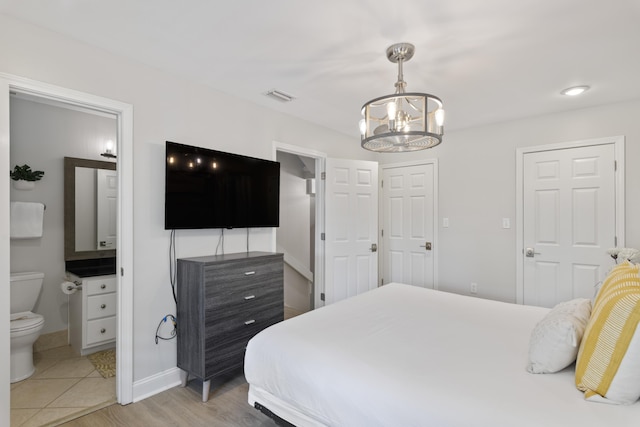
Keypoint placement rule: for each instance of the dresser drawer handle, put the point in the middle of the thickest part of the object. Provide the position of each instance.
(103, 330)
(249, 273)
(103, 306)
(248, 322)
(248, 297)
(103, 286)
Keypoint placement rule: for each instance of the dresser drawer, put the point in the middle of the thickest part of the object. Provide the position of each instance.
(228, 353)
(242, 284)
(101, 306)
(221, 329)
(225, 358)
(237, 303)
(101, 330)
(100, 285)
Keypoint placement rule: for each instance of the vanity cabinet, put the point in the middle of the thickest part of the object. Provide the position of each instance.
(92, 314)
(223, 301)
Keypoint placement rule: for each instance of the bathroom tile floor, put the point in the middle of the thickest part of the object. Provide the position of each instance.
(64, 386)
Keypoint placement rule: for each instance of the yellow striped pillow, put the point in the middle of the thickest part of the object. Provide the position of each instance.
(608, 364)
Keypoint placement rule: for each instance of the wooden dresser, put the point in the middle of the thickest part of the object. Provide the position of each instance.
(223, 301)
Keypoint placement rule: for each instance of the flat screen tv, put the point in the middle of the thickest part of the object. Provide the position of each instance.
(212, 189)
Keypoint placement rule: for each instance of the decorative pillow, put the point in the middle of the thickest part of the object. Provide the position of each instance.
(556, 338)
(608, 366)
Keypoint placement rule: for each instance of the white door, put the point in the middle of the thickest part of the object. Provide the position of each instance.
(107, 208)
(569, 221)
(408, 225)
(351, 228)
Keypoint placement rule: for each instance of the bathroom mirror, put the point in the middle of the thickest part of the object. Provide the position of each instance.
(90, 200)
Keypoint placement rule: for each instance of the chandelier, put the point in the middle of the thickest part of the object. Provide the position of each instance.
(404, 121)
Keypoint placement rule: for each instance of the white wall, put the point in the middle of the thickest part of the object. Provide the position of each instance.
(477, 189)
(41, 136)
(165, 108)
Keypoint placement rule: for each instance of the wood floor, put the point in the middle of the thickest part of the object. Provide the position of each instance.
(227, 406)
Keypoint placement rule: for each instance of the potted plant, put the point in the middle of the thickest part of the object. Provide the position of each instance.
(24, 178)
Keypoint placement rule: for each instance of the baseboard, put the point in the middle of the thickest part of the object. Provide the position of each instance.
(155, 384)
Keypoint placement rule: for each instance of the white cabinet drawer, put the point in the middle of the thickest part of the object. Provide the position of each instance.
(100, 285)
(101, 306)
(101, 330)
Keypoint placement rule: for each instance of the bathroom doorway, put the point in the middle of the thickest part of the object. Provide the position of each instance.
(41, 132)
(121, 115)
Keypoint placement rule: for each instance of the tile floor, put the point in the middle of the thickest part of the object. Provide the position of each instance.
(64, 386)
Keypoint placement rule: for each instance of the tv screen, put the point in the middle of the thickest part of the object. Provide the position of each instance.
(212, 189)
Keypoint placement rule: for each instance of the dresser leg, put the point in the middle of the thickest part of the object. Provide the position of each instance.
(184, 378)
(206, 385)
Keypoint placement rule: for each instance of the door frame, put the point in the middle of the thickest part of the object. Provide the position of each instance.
(124, 260)
(618, 143)
(436, 215)
(319, 256)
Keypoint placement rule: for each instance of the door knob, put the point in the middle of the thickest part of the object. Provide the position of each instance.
(426, 246)
(530, 252)
(373, 248)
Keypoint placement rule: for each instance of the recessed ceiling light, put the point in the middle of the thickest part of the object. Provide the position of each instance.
(575, 90)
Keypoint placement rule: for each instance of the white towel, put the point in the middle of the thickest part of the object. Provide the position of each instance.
(26, 220)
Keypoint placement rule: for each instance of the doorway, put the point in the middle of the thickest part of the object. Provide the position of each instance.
(570, 210)
(295, 238)
(299, 236)
(124, 265)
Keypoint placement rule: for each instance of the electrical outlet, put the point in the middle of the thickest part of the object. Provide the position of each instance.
(473, 288)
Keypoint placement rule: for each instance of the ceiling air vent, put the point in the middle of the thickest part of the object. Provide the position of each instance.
(280, 96)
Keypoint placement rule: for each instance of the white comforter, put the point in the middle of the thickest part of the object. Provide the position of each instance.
(407, 356)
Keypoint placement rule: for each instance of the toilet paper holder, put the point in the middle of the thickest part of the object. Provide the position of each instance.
(78, 285)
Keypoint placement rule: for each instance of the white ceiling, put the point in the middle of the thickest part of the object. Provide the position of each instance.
(488, 60)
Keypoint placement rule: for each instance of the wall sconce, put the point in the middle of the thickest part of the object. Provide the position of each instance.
(108, 150)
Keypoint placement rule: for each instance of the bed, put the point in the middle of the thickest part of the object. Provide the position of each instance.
(402, 355)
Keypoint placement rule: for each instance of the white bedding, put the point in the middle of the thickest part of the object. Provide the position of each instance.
(406, 356)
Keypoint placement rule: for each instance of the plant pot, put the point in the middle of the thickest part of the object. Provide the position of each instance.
(21, 184)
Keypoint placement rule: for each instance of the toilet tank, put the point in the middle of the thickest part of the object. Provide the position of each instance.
(25, 289)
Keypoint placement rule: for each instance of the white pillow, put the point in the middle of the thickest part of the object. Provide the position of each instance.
(555, 340)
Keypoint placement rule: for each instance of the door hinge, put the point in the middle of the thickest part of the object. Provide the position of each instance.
(323, 176)
(381, 282)
(615, 165)
(121, 271)
(322, 296)
(615, 241)
(382, 233)
(322, 236)
(382, 183)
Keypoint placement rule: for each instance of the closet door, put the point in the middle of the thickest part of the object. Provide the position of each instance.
(408, 224)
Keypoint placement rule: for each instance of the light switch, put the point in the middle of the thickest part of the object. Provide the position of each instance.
(445, 222)
(506, 223)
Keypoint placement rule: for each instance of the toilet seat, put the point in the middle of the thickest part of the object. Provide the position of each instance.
(25, 321)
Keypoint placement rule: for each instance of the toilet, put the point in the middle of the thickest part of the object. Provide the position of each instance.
(25, 325)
